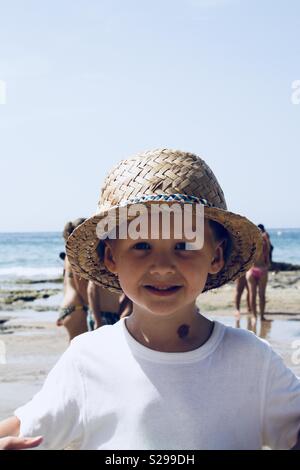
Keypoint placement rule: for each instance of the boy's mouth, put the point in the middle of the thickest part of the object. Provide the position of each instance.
(162, 290)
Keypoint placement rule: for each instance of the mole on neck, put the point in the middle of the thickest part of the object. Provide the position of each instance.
(183, 331)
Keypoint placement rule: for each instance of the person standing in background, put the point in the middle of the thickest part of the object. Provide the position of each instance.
(257, 277)
(74, 307)
(263, 230)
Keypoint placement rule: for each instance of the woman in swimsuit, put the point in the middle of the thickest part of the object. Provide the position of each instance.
(74, 308)
(257, 278)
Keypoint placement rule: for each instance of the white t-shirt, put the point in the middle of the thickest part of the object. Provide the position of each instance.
(108, 391)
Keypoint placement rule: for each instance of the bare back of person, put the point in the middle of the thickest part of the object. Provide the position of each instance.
(109, 302)
(104, 304)
(75, 288)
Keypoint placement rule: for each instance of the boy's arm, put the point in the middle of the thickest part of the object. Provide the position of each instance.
(9, 432)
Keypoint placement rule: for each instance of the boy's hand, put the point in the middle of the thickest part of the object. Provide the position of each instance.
(19, 443)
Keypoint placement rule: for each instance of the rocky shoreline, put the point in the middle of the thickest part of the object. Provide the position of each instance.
(279, 266)
(21, 294)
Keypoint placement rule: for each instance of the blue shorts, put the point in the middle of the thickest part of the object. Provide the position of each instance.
(109, 318)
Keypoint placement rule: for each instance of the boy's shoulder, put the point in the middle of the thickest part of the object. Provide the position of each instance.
(245, 341)
(106, 339)
(242, 334)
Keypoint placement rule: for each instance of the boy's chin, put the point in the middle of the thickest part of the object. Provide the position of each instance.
(162, 309)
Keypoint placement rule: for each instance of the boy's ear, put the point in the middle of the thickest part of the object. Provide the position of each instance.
(217, 261)
(109, 259)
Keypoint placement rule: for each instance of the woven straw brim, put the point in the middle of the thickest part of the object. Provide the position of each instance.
(246, 245)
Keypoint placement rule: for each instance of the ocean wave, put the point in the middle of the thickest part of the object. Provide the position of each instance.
(21, 272)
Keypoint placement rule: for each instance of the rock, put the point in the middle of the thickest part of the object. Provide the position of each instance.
(26, 295)
(279, 266)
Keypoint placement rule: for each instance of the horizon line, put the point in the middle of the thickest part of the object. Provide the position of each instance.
(60, 231)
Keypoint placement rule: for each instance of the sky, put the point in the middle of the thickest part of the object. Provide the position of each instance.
(88, 83)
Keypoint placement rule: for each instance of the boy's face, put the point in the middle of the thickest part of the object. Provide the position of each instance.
(161, 276)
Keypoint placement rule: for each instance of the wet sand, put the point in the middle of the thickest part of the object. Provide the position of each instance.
(33, 343)
(31, 351)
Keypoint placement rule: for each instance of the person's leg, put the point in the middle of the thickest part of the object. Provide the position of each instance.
(252, 285)
(262, 285)
(240, 285)
(75, 323)
(248, 298)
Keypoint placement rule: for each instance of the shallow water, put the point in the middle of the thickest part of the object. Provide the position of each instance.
(28, 316)
(53, 301)
(277, 330)
(12, 287)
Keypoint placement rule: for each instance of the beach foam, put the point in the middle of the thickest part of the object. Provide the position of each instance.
(36, 273)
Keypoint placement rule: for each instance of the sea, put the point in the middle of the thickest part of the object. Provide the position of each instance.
(35, 256)
(31, 256)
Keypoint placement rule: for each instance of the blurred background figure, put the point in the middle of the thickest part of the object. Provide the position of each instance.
(262, 228)
(257, 277)
(74, 307)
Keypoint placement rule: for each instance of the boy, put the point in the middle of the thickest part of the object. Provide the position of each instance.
(166, 377)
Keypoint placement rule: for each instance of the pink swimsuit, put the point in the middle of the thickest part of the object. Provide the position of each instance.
(257, 272)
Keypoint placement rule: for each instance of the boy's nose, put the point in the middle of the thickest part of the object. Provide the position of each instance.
(162, 265)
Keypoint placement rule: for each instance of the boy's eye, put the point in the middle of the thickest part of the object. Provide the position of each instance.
(141, 246)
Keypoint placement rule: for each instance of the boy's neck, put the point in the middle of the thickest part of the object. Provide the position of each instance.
(165, 334)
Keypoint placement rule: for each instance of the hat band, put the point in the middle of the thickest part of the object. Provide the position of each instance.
(166, 198)
(185, 198)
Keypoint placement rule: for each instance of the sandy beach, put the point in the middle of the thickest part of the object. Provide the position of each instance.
(31, 343)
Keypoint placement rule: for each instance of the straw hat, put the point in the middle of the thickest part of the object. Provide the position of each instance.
(163, 175)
